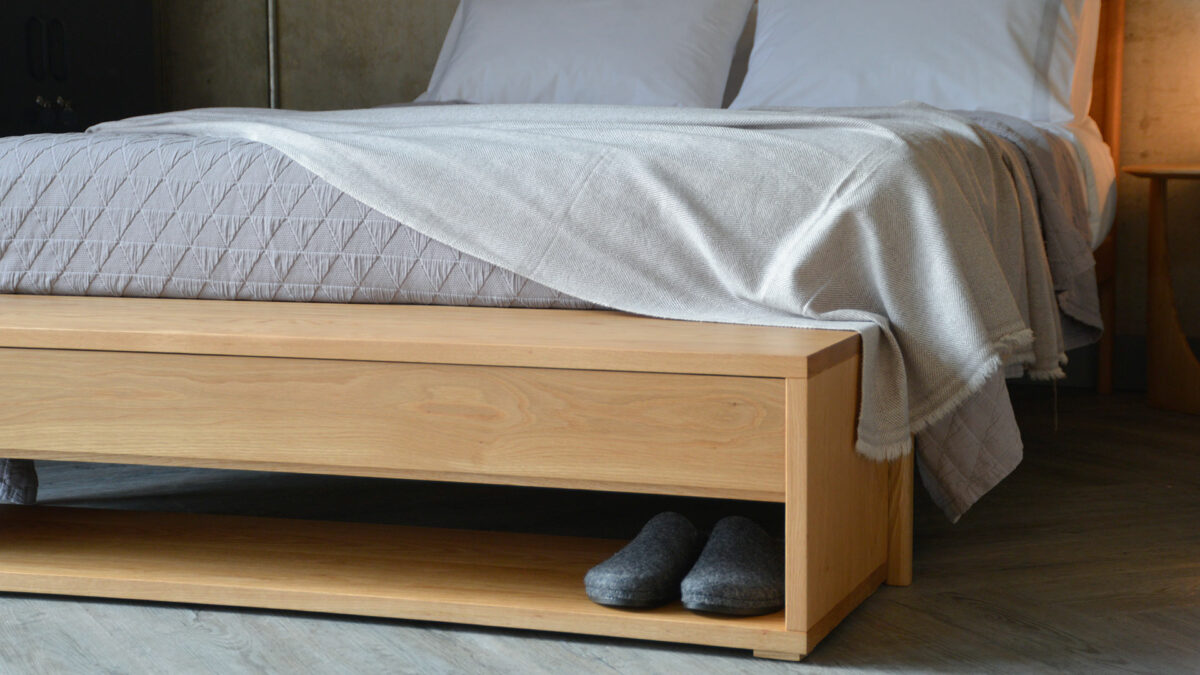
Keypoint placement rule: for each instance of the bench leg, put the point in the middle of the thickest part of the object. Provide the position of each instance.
(837, 505)
(778, 656)
(900, 521)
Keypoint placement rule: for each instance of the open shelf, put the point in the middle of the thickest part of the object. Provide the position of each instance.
(487, 578)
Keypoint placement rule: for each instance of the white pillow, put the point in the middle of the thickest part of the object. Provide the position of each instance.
(634, 52)
(1028, 58)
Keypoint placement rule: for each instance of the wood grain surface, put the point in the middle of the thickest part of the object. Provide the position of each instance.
(496, 579)
(553, 338)
(901, 483)
(837, 506)
(640, 432)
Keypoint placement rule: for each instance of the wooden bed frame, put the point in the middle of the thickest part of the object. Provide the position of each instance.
(572, 399)
(1106, 110)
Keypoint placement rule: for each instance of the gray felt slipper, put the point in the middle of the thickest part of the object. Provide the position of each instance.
(740, 571)
(18, 481)
(647, 572)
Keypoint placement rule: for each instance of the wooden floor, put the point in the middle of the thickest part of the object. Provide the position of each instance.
(1086, 560)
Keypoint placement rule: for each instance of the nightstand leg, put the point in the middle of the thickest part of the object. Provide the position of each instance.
(1173, 373)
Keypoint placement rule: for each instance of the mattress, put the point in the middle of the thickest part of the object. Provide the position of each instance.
(160, 215)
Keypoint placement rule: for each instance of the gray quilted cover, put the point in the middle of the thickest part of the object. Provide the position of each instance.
(159, 215)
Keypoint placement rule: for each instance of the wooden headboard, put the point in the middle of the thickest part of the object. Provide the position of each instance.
(1106, 83)
(1106, 110)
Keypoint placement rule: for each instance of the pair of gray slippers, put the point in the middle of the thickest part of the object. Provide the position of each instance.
(738, 571)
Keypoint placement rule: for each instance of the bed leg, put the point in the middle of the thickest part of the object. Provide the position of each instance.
(1106, 278)
(1108, 311)
(900, 521)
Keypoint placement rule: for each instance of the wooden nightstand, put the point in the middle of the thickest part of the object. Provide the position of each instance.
(1173, 373)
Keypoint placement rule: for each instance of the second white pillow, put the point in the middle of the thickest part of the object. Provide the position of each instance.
(618, 52)
(1028, 58)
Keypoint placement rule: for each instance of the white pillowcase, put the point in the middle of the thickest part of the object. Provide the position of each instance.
(633, 52)
(1028, 58)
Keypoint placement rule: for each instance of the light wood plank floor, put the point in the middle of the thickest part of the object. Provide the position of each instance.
(1086, 560)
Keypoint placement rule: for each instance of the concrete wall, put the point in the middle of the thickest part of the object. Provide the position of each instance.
(212, 53)
(1161, 124)
(358, 53)
(333, 53)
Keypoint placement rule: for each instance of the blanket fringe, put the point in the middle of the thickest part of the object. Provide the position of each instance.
(1002, 348)
(884, 453)
(1047, 375)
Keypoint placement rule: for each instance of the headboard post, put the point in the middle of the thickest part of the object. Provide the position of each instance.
(1109, 73)
(1106, 110)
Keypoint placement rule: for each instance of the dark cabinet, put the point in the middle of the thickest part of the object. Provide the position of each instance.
(68, 64)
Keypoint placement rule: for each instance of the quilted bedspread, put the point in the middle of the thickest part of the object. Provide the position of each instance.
(179, 217)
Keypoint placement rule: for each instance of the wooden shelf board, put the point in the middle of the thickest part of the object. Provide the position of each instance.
(486, 578)
(574, 339)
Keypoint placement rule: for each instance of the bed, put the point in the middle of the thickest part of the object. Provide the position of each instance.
(517, 391)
